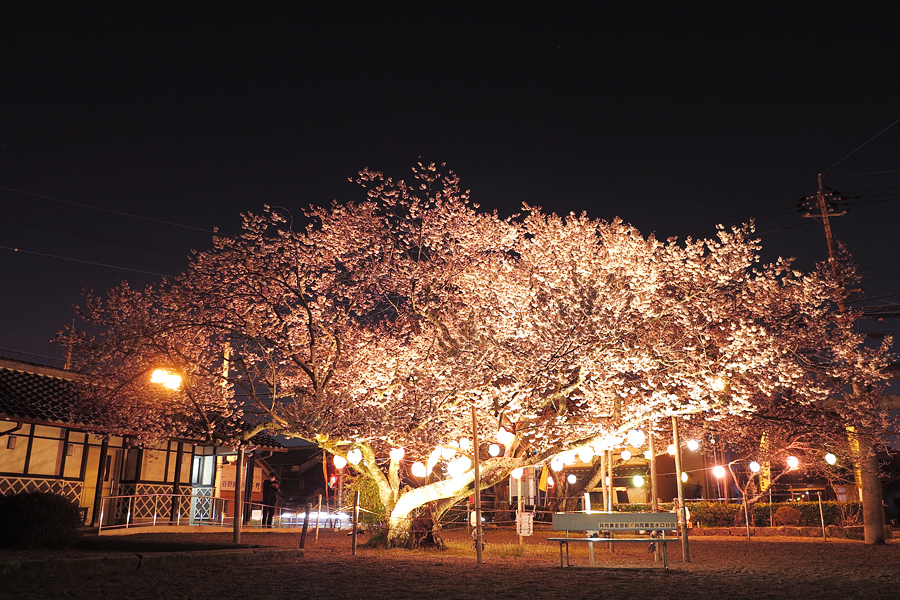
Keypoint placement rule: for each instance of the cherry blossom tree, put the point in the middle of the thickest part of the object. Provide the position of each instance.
(378, 328)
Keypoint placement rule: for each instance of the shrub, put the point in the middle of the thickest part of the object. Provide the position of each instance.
(787, 515)
(38, 519)
(372, 512)
(713, 514)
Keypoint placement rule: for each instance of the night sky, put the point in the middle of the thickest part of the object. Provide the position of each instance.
(127, 136)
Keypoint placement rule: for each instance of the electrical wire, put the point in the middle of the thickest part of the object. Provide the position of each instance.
(86, 262)
(107, 210)
(862, 146)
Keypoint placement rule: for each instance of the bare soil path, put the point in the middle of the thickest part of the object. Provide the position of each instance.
(721, 568)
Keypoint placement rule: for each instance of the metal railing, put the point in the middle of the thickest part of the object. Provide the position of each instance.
(149, 510)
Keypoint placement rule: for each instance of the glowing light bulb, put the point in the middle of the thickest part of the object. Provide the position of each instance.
(638, 481)
(754, 466)
(585, 454)
(339, 461)
(464, 443)
(557, 464)
(684, 477)
(397, 453)
(494, 450)
(636, 438)
(793, 462)
(354, 456)
(671, 449)
(571, 478)
(626, 455)
(504, 436)
(550, 482)
(719, 471)
(418, 469)
(830, 458)
(647, 454)
(718, 384)
(517, 473)
(693, 445)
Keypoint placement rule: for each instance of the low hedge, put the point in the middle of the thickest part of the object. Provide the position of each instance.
(718, 514)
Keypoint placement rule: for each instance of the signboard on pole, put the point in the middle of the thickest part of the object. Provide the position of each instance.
(524, 523)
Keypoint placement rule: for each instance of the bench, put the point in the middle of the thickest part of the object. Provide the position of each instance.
(651, 523)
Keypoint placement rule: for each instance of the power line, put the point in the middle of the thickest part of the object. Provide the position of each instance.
(107, 210)
(864, 144)
(86, 262)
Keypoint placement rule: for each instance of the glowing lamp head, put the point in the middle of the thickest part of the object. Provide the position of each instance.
(693, 445)
(719, 471)
(397, 453)
(339, 461)
(585, 454)
(626, 455)
(494, 450)
(718, 384)
(684, 477)
(166, 379)
(671, 449)
(517, 473)
(354, 457)
(793, 462)
(638, 481)
(557, 464)
(464, 443)
(571, 478)
(550, 482)
(418, 469)
(648, 455)
(636, 438)
(830, 458)
(504, 436)
(754, 466)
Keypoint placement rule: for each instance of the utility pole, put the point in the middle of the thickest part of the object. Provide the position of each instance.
(865, 469)
(826, 210)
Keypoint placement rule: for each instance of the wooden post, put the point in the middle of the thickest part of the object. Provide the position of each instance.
(685, 550)
(747, 516)
(305, 524)
(654, 477)
(521, 506)
(238, 504)
(477, 488)
(355, 523)
(318, 514)
(822, 516)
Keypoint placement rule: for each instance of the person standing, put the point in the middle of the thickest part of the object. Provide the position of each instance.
(270, 499)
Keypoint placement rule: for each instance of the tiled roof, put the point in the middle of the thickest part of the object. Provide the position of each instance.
(36, 393)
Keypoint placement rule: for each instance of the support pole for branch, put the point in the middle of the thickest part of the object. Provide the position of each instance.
(305, 524)
(654, 477)
(477, 488)
(318, 514)
(238, 492)
(685, 550)
(822, 516)
(355, 523)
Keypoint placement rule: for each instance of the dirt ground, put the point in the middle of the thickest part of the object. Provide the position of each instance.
(720, 568)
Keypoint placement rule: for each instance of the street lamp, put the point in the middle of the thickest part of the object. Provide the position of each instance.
(166, 379)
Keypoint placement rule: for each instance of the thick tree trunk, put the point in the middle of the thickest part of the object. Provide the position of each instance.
(873, 509)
